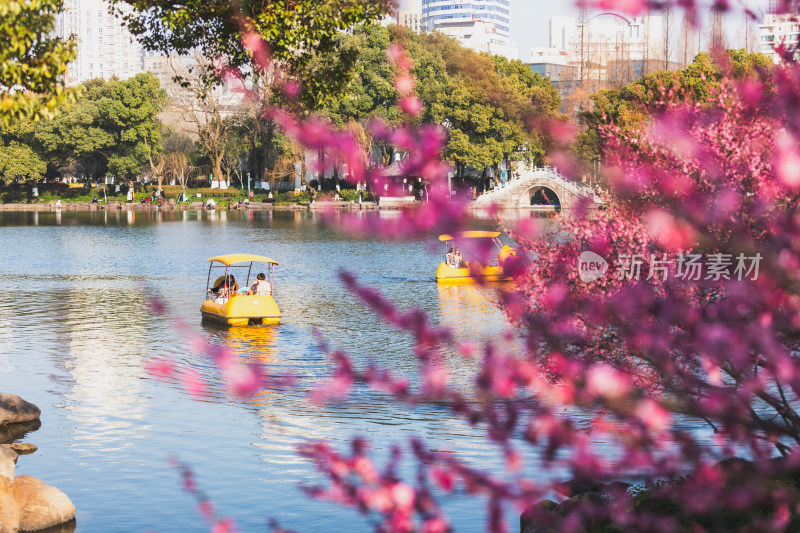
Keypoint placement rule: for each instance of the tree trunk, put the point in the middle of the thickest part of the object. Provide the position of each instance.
(335, 174)
(216, 169)
(321, 169)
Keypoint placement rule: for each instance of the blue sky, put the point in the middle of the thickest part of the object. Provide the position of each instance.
(529, 24)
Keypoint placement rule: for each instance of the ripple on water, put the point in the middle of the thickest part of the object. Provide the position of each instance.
(76, 339)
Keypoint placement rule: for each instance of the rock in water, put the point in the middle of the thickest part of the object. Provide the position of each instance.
(14, 409)
(9, 510)
(40, 505)
(8, 460)
(22, 448)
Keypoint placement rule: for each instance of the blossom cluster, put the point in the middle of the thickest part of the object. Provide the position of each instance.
(718, 177)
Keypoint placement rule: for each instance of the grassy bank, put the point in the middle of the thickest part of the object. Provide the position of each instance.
(104, 193)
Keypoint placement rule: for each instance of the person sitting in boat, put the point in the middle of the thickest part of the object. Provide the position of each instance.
(261, 286)
(459, 259)
(450, 258)
(225, 289)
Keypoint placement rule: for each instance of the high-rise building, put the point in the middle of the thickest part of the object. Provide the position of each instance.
(483, 25)
(780, 30)
(409, 14)
(105, 47)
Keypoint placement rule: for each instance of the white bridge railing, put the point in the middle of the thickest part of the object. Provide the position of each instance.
(528, 175)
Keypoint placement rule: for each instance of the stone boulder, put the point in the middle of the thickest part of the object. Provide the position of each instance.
(585, 499)
(577, 486)
(14, 409)
(22, 448)
(547, 516)
(40, 505)
(541, 518)
(9, 510)
(8, 461)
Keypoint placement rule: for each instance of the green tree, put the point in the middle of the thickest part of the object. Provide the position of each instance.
(129, 113)
(294, 31)
(113, 128)
(20, 160)
(32, 63)
(628, 107)
(486, 103)
(370, 92)
(75, 137)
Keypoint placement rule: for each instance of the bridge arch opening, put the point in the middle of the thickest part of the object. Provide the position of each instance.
(544, 198)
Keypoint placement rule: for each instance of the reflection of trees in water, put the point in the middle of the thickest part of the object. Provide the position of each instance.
(471, 312)
(106, 343)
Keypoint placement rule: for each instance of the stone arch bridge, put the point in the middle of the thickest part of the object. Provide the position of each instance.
(542, 187)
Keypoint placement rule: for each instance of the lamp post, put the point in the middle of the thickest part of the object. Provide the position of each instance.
(449, 184)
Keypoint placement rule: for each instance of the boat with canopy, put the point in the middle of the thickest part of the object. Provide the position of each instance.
(234, 304)
(456, 267)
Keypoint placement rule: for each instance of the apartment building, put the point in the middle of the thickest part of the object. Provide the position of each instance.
(779, 31)
(105, 47)
(482, 25)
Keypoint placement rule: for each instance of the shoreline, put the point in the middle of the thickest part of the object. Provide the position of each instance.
(254, 206)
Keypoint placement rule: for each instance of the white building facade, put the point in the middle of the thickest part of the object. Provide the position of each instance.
(409, 15)
(482, 25)
(779, 30)
(105, 47)
(606, 47)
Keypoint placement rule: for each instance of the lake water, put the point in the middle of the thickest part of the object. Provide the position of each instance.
(75, 333)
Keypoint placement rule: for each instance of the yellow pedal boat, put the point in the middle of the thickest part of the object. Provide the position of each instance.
(228, 303)
(457, 269)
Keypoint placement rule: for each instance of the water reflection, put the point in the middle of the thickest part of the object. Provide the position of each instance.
(6, 331)
(105, 344)
(75, 338)
(467, 307)
(14, 432)
(69, 527)
(254, 345)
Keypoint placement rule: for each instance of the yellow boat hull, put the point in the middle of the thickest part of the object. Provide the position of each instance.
(243, 310)
(448, 274)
